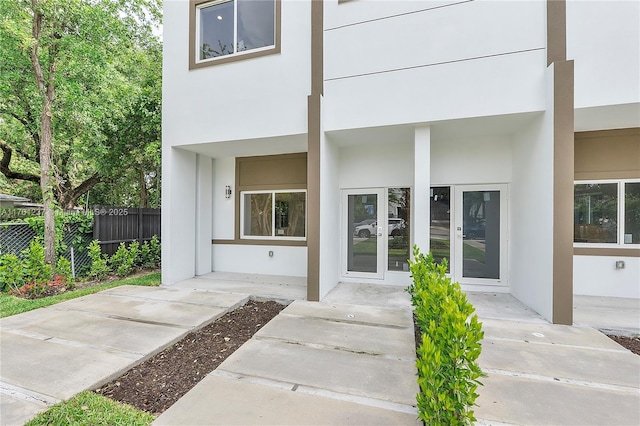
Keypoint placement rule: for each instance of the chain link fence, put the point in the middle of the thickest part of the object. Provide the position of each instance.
(16, 237)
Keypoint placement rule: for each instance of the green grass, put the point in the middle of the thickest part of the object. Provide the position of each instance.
(88, 408)
(11, 305)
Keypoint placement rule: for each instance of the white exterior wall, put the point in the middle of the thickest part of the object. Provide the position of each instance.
(598, 276)
(469, 59)
(256, 260)
(603, 38)
(483, 159)
(224, 209)
(368, 165)
(531, 225)
(421, 229)
(330, 238)
(254, 98)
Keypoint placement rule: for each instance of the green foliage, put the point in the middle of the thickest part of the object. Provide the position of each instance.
(146, 258)
(448, 370)
(11, 272)
(35, 268)
(154, 246)
(63, 269)
(122, 261)
(88, 408)
(63, 222)
(99, 266)
(134, 253)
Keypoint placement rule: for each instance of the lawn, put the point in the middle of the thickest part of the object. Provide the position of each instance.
(88, 408)
(11, 305)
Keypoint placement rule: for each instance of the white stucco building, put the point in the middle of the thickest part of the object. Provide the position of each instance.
(324, 138)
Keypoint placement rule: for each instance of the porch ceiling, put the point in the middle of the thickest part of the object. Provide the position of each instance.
(250, 147)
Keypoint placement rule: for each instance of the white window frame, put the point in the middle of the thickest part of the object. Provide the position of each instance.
(620, 217)
(273, 215)
(235, 33)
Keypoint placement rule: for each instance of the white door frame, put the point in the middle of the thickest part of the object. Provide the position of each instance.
(457, 235)
(381, 232)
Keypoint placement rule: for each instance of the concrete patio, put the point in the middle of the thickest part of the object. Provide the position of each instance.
(346, 360)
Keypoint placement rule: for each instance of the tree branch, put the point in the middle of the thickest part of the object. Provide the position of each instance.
(7, 153)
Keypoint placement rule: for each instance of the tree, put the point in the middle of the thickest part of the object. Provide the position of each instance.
(64, 68)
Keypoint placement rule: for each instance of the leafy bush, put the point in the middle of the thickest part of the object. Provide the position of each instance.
(11, 272)
(146, 257)
(99, 266)
(448, 371)
(35, 268)
(121, 261)
(63, 271)
(134, 253)
(154, 246)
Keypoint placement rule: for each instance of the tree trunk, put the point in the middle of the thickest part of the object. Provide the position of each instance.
(47, 91)
(144, 192)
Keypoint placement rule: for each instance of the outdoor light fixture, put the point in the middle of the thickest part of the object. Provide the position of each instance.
(227, 192)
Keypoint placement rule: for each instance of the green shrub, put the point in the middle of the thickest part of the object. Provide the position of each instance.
(154, 247)
(146, 257)
(99, 266)
(11, 272)
(447, 355)
(63, 269)
(121, 261)
(134, 253)
(35, 268)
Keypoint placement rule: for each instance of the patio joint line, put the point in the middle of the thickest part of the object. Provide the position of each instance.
(320, 346)
(27, 395)
(593, 385)
(310, 390)
(349, 321)
(562, 345)
(76, 344)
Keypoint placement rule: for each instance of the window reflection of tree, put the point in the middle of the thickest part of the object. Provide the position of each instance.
(260, 214)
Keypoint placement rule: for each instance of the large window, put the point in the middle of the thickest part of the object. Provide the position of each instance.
(607, 213)
(234, 27)
(273, 215)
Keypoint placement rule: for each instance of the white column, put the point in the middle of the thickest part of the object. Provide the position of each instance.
(178, 214)
(420, 220)
(204, 195)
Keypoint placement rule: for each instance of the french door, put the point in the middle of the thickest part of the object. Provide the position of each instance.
(469, 228)
(364, 230)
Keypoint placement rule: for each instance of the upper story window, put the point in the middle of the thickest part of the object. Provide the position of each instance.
(227, 30)
(607, 213)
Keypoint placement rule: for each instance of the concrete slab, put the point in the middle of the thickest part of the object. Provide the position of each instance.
(619, 368)
(547, 334)
(369, 339)
(145, 310)
(109, 334)
(57, 370)
(385, 296)
(256, 278)
(223, 401)
(352, 313)
(502, 306)
(262, 290)
(619, 315)
(17, 411)
(204, 298)
(340, 371)
(517, 400)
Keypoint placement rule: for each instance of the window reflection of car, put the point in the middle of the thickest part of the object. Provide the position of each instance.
(367, 227)
(396, 226)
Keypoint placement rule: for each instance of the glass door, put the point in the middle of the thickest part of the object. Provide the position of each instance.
(364, 219)
(480, 234)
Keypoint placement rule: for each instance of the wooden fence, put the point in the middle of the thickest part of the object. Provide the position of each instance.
(114, 225)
